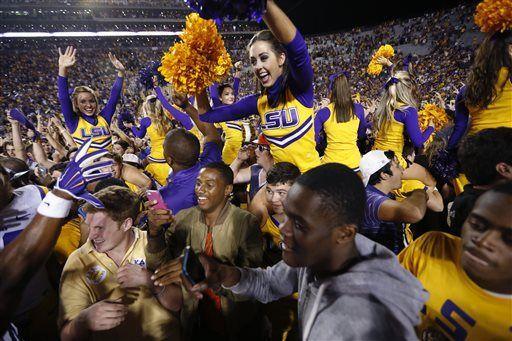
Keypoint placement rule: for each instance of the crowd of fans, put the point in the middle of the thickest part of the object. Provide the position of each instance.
(136, 180)
(440, 69)
(99, 3)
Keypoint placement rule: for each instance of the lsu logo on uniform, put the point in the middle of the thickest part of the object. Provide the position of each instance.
(284, 118)
(96, 275)
(94, 132)
(140, 262)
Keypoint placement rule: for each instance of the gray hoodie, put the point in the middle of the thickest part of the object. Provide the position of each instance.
(374, 299)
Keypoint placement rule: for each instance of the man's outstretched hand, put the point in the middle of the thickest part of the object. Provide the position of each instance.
(81, 171)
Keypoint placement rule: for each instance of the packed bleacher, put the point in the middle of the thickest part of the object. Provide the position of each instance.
(154, 189)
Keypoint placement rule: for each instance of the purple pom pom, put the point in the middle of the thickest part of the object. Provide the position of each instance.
(445, 165)
(229, 9)
(147, 73)
(18, 116)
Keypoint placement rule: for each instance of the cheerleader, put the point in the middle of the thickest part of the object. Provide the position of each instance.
(226, 94)
(81, 113)
(282, 65)
(156, 125)
(396, 117)
(487, 96)
(340, 124)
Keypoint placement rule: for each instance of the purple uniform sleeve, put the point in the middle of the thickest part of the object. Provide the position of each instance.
(115, 94)
(409, 117)
(214, 95)
(321, 116)
(183, 118)
(363, 126)
(236, 86)
(70, 117)
(141, 131)
(245, 107)
(120, 123)
(211, 153)
(461, 120)
(301, 71)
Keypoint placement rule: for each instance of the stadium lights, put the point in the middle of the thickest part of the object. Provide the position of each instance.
(87, 34)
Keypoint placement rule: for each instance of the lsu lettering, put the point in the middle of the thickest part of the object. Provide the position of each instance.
(284, 118)
(289, 130)
(94, 132)
(100, 133)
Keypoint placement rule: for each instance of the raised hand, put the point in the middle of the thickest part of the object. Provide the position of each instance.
(244, 154)
(117, 64)
(157, 218)
(384, 61)
(16, 115)
(66, 60)
(180, 100)
(57, 122)
(81, 171)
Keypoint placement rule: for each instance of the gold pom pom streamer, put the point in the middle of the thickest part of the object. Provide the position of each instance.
(494, 15)
(437, 115)
(375, 68)
(199, 60)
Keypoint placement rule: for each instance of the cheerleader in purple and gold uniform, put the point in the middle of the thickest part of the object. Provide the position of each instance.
(486, 100)
(397, 117)
(281, 62)
(156, 124)
(81, 112)
(342, 122)
(226, 94)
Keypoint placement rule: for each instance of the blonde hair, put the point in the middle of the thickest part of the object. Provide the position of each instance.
(155, 111)
(399, 95)
(80, 89)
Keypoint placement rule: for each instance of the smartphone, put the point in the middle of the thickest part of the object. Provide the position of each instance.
(42, 171)
(160, 203)
(192, 268)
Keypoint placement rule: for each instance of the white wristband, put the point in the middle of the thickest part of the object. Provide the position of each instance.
(53, 206)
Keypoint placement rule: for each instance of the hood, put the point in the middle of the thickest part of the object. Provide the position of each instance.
(378, 273)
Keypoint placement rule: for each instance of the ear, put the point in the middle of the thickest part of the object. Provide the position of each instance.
(281, 59)
(127, 224)
(384, 176)
(346, 233)
(228, 190)
(504, 170)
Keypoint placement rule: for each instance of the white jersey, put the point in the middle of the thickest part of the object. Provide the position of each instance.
(13, 220)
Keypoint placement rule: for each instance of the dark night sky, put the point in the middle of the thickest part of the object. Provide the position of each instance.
(324, 16)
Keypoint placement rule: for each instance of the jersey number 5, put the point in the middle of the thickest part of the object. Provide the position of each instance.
(284, 118)
(449, 310)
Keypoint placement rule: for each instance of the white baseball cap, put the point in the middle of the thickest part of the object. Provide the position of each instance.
(372, 162)
(132, 158)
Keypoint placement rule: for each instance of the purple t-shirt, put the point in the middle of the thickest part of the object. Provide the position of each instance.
(386, 233)
(179, 192)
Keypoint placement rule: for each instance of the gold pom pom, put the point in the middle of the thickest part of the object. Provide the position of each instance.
(494, 15)
(375, 68)
(437, 115)
(199, 60)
